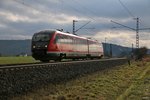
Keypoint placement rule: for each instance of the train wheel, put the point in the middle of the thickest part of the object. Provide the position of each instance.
(58, 59)
(44, 60)
(74, 59)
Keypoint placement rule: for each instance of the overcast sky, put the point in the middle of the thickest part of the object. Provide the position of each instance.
(20, 19)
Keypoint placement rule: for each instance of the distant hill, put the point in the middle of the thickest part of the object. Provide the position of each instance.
(22, 47)
(15, 47)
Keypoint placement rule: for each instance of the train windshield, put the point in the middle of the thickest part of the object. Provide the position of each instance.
(41, 37)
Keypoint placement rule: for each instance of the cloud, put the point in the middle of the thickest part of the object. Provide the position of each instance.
(21, 19)
(14, 37)
(14, 17)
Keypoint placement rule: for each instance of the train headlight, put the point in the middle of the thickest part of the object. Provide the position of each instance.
(34, 46)
(45, 46)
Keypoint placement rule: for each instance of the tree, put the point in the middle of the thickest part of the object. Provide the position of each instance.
(140, 53)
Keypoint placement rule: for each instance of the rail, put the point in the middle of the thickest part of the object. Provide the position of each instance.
(36, 65)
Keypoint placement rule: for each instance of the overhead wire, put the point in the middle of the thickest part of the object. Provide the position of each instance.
(25, 4)
(62, 2)
(141, 23)
(129, 12)
(43, 11)
(86, 9)
(79, 11)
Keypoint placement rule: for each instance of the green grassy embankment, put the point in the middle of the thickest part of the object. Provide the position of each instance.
(16, 60)
(119, 83)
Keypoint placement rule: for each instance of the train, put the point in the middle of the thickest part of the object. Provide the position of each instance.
(57, 45)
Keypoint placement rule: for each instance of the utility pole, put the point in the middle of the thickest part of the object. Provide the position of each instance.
(137, 32)
(105, 48)
(73, 30)
(110, 50)
(134, 29)
(132, 47)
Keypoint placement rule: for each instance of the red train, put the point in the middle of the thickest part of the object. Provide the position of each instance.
(56, 45)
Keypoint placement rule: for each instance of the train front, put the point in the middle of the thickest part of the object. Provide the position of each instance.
(40, 43)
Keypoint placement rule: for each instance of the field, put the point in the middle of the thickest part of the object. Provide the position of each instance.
(119, 83)
(16, 60)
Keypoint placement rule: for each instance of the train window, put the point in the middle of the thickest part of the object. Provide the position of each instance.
(56, 38)
(60, 39)
(80, 41)
(70, 40)
(74, 41)
(64, 39)
(41, 37)
(83, 42)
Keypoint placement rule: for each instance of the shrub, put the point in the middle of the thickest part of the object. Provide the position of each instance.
(140, 53)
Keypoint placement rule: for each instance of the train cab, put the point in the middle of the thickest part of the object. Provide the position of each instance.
(40, 44)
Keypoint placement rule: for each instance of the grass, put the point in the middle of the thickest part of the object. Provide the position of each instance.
(118, 83)
(16, 60)
(140, 88)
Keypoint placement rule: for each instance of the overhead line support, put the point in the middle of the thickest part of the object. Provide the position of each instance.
(137, 32)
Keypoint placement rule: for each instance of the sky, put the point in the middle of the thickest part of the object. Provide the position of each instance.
(20, 19)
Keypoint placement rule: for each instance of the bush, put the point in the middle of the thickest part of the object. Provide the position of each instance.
(140, 53)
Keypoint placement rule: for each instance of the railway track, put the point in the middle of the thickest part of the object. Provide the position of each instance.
(18, 79)
(40, 64)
